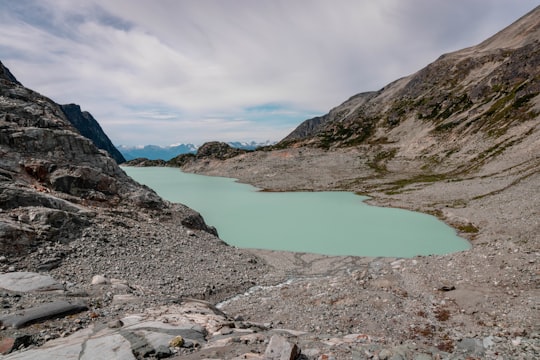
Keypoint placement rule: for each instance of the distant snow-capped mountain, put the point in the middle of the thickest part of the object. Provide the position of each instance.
(155, 152)
(252, 145)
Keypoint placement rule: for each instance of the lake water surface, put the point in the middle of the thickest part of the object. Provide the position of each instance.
(332, 223)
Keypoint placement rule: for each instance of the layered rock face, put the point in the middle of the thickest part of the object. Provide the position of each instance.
(50, 174)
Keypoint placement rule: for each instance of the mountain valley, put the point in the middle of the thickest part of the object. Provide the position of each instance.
(95, 264)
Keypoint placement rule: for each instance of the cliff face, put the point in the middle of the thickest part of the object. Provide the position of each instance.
(462, 110)
(5, 74)
(50, 174)
(90, 128)
(84, 122)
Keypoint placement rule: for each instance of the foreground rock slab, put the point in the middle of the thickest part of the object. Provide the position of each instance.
(28, 281)
(135, 336)
(40, 313)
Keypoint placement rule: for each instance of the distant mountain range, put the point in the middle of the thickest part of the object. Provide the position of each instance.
(155, 152)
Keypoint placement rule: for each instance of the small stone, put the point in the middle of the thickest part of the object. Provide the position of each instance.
(28, 281)
(176, 342)
(123, 299)
(280, 349)
(311, 353)
(447, 288)
(115, 324)
(385, 354)
(516, 341)
(190, 233)
(162, 351)
(10, 344)
(100, 280)
(473, 346)
(11, 268)
(326, 357)
(226, 330)
(488, 342)
(6, 345)
(3, 259)
(49, 264)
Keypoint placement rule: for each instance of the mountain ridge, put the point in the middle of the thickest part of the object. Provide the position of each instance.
(83, 121)
(486, 95)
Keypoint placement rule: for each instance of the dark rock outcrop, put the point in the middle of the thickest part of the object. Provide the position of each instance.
(90, 128)
(312, 126)
(213, 150)
(144, 162)
(5, 74)
(218, 150)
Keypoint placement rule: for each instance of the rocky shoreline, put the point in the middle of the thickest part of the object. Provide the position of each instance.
(490, 291)
(482, 303)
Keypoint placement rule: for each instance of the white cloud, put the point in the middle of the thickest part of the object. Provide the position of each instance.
(157, 72)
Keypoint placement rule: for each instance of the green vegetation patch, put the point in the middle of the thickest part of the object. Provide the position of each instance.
(396, 187)
(347, 134)
(378, 163)
(509, 108)
(467, 228)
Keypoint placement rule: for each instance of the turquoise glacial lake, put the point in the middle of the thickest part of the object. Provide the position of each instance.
(332, 223)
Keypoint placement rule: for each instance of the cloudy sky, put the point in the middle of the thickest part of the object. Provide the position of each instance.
(171, 71)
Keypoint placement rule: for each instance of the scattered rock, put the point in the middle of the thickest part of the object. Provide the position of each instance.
(471, 346)
(100, 280)
(447, 288)
(49, 264)
(280, 349)
(115, 324)
(10, 344)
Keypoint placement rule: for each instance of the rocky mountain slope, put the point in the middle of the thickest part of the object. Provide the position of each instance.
(458, 113)
(84, 122)
(49, 172)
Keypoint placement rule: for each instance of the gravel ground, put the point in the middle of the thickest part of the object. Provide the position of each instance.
(149, 258)
(489, 294)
